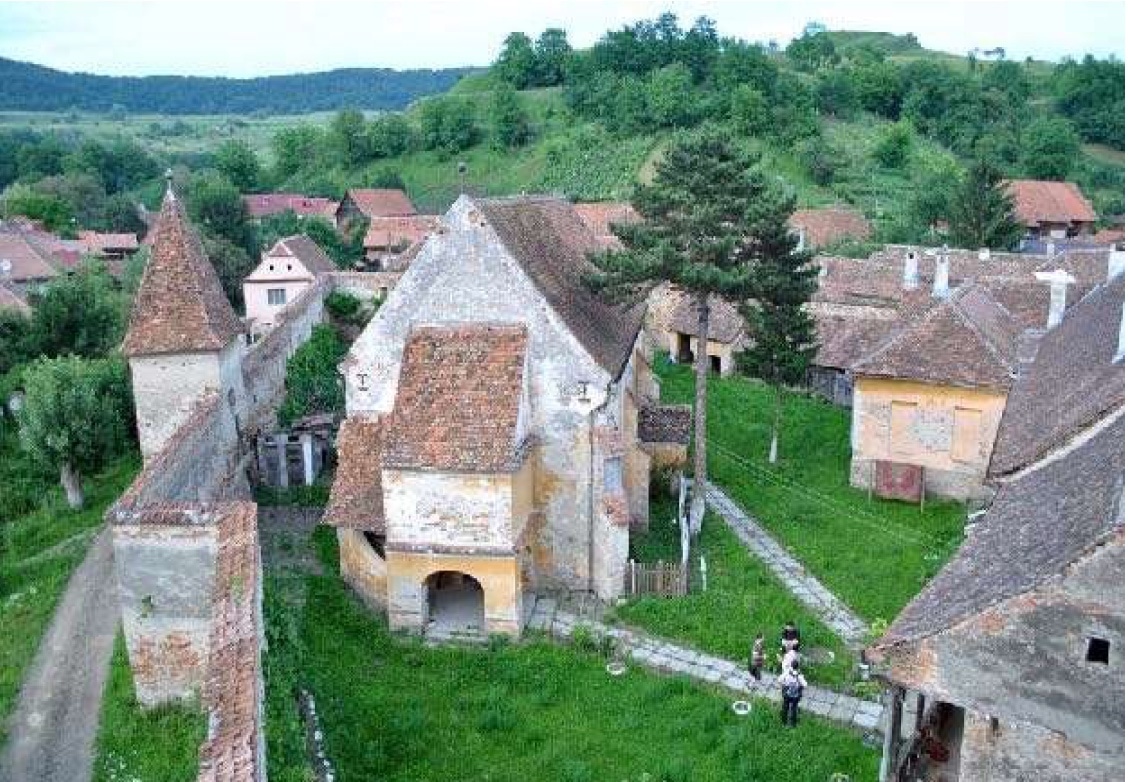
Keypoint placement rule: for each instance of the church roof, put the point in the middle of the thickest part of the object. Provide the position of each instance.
(180, 306)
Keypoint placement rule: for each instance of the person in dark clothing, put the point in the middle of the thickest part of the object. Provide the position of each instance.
(789, 638)
(792, 685)
(756, 658)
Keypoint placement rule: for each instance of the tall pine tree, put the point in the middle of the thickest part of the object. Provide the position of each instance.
(696, 234)
(782, 333)
(981, 211)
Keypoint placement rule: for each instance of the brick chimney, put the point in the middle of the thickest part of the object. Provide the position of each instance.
(1059, 281)
(910, 280)
(940, 275)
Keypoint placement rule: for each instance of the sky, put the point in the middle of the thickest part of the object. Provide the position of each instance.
(243, 38)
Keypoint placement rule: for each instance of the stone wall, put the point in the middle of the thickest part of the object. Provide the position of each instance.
(364, 285)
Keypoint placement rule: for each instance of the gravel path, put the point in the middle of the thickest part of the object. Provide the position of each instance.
(52, 731)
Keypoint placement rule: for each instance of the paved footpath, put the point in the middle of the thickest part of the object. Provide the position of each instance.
(51, 734)
(663, 656)
(809, 590)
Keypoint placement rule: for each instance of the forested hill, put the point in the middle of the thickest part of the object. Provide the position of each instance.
(29, 87)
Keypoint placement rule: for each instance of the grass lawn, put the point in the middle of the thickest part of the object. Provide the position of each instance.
(157, 745)
(38, 550)
(874, 554)
(393, 709)
(743, 598)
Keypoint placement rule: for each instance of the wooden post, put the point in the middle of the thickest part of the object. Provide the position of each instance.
(283, 464)
(307, 457)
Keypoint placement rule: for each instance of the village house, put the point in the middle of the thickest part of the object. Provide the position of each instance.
(1051, 210)
(391, 242)
(819, 228)
(108, 246)
(261, 205)
(366, 204)
(1014, 652)
(184, 338)
(25, 261)
(727, 335)
(599, 216)
(491, 446)
(286, 270)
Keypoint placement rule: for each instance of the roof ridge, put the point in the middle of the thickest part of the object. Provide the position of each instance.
(970, 323)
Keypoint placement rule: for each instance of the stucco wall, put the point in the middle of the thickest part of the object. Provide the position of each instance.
(464, 274)
(257, 300)
(165, 576)
(453, 509)
(364, 285)
(164, 391)
(407, 591)
(363, 569)
(948, 430)
(724, 351)
(1024, 663)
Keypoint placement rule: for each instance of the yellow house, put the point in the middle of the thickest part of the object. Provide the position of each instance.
(727, 336)
(927, 403)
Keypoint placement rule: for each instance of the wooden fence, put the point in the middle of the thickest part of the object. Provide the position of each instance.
(656, 578)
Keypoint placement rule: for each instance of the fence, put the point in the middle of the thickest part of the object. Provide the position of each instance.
(668, 579)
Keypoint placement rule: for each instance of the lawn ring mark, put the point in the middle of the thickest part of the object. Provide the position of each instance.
(741, 708)
(616, 668)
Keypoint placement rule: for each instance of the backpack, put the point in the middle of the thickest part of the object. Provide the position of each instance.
(792, 690)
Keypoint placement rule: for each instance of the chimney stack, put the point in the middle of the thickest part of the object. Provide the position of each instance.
(1050, 249)
(1115, 261)
(940, 275)
(911, 278)
(1059, 281)
(984, 253)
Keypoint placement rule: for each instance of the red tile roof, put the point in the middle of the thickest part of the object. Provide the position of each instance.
(459, 399)
(383, 202)
(28, 260)
(261, 205)
(180, 306)
(356, 500)
(391, 232)
(100, 243)
(725, 322)
(1038, 201)
(303, 249)
(234, 671)
(601, 215)
(823, 227)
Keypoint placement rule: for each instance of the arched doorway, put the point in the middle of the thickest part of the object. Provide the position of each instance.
(455, 602)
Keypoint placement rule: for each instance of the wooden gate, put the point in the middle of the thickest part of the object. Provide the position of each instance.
(656, 578)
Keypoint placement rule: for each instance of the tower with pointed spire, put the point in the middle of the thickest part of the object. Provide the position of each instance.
(184, 338)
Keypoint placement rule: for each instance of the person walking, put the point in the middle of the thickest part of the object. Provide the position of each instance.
(789, 638)
(792, 685)
(756, 658)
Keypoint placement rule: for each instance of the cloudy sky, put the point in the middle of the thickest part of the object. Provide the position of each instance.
(255, 37)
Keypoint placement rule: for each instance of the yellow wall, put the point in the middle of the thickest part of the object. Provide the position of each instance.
(722, 350)
(522, 496)
(941, 428)
(363, 569)
(498, 575)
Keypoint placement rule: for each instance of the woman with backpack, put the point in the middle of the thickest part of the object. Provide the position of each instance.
(792, 684)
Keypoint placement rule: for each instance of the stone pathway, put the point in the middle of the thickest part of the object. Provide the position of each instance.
(665, 657)
(52, 731)
(809, 590)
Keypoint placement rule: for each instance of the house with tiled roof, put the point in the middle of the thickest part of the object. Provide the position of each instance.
(388, 240)
(286, 270)
(368, 203)
(24, 261)
(824, 227)
(1013, 653)
(492, 445)
(928, 399)
(727, 335)
(184, 339)
(261, 205)
(1051, 210)
(600, 216)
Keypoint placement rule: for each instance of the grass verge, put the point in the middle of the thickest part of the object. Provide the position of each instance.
(874, 554)
(155, 745)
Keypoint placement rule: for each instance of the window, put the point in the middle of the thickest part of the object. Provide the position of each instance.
(1097, 651)
(966, 428)
(276, 297)
(902, 438)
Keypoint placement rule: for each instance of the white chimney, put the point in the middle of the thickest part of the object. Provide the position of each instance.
(911, 278)
(1050, 248)
(1115, 261)
(940, 275)
(985, 254)
(1059, 281)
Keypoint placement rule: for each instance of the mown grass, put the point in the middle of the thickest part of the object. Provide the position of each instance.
(743, 598)
(154, 745)
(874, 554)
(395, 710)
(38, 551)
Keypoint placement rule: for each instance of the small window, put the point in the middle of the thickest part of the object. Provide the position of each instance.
(276, 297)
(1097, 651)
(967, 430)
(289, 267)
(272, 267)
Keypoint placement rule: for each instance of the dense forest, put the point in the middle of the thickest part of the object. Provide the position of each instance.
(29, 87)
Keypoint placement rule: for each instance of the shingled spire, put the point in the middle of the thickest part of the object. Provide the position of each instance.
(180, 306)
